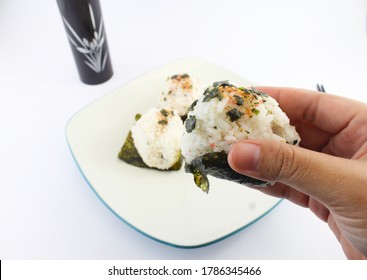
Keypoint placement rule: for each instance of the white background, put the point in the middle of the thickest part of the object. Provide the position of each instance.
(47, 210)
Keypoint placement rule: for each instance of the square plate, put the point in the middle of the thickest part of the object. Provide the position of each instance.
(166, 206)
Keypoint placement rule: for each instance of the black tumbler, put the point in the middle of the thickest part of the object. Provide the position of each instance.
(84, 27)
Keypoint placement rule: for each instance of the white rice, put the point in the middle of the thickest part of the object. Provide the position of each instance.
(157, 138)
(215, 132)
(179, 93)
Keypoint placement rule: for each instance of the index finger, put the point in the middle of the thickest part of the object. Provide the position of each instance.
(328, 112)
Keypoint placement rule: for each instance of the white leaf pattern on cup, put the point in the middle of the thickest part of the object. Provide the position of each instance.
(92, 50)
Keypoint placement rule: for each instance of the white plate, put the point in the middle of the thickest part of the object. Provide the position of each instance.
(166, 206)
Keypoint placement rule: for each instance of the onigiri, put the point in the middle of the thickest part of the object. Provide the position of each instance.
(179, 92)
(223, 115)
(154, 140)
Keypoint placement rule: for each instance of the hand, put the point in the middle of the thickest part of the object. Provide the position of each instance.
(327, 173)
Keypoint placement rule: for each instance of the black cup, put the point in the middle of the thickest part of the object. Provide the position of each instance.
(84, 27)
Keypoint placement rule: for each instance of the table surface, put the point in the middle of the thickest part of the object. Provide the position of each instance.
(47, 210)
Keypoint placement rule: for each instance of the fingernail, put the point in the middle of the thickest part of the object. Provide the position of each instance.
(245, 156)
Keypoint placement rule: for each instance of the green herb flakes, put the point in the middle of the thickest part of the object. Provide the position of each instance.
(212, 93)
(191, 108)
(178, 76)
(164, 112)
(137, 117)
(239, 100)
(255, 111)
(234, 114)
(163, 122)
(190, 124)
(221, 83)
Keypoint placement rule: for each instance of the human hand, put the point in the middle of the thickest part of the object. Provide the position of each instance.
(327, 173)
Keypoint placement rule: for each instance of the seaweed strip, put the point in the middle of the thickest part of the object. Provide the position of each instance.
(215, 164)
(129, 153)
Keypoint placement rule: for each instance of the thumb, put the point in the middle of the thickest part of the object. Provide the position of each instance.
(322, 176)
